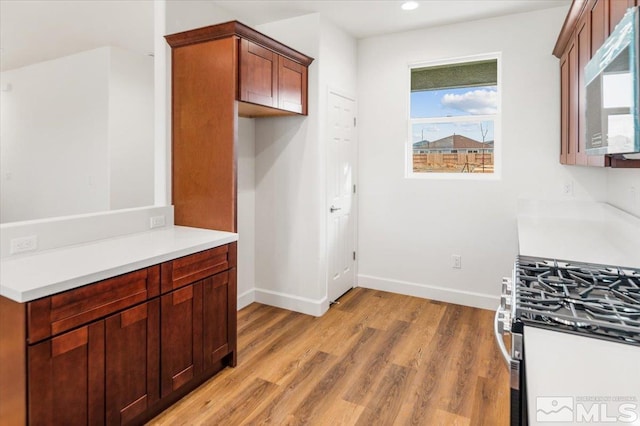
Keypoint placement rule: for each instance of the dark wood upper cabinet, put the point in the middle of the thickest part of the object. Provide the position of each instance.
(271, 78)
(221, 72)
(258, 74)
(292, 86)
(585, 29)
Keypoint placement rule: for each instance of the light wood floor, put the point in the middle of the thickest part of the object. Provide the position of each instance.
(375, 359)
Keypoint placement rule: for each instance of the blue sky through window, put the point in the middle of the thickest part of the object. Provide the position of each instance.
(458, 102)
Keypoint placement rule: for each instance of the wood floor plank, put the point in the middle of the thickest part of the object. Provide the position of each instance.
(360, 389)
(463, 366)
(414, 348)
(238, 408)
(274, 411)
(317, 402)
(384, 405)
(375, 358)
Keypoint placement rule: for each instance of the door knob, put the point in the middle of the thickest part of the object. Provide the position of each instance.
(334, 209)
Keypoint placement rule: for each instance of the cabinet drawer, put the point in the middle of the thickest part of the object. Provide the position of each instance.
(186, 270)
(55, 314)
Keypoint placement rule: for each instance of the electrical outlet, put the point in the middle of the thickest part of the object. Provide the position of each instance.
(156, 222)
(567, 189)
(19, 245)
(456, 261)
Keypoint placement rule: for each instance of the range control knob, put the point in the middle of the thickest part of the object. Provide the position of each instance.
(505, 302)
(506, 285)
(504, 322)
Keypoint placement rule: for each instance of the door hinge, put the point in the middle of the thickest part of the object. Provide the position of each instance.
(354, 122)
(354, 188)
(354, 255)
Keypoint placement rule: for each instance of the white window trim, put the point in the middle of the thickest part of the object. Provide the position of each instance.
(497, 123)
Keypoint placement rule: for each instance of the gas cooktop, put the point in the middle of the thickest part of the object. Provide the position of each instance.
(595, 300)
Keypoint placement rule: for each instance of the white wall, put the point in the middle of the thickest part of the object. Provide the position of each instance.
(183, 15)
(290, 172)
(76, 135)
(246, 211)
(131, 129)
(289, 187)
(53, 165)
(623, 189)
(408, 229)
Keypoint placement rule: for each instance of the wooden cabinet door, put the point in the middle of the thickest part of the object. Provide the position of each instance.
(583, 41)
(292, 86)
(617, 9)
(598, 25)
(66, 378)
(572, 59)
(564, 108)
(216, 299)
(181, 337)
(258, 74)
(132, 362)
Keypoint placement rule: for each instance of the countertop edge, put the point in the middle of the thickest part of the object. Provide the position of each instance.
(112, 271)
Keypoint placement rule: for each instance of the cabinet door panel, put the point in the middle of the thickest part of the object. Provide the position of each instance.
(181, 337)
(564, 109)
(292, 86)
(66, 378)
(132, 362)
(215, 312)
(598, 33)
(617, 9)
(258, 74)
(572, 59)
(583, 40)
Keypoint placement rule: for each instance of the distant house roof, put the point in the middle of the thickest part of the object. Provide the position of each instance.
(421, 145)
(453, 142)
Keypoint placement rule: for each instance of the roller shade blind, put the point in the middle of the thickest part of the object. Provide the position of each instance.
(468, 74)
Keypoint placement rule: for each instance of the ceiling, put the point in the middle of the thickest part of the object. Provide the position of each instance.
(370, 18)
(37, 30)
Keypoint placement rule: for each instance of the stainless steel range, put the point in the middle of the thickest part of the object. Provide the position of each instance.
(575, 341)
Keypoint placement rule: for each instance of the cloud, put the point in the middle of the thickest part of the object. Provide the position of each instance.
(475, 102)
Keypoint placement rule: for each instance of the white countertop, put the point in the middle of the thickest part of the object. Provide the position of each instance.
(31, 276)
(580, 231)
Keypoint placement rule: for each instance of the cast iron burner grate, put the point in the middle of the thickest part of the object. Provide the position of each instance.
(596, 300)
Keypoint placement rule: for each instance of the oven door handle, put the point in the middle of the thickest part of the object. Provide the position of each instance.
(498, 336)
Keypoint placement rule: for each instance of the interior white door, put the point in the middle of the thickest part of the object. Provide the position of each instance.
(341, 195)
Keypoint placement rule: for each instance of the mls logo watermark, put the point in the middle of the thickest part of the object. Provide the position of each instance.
(554, 409)
(587, 409)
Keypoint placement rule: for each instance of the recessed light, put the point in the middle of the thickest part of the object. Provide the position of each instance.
(409, 5)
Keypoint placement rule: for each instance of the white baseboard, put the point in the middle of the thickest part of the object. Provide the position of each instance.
(303, 305)
(459, 297)
(246, 298)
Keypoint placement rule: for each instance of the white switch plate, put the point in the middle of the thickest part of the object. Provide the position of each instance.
(19, 245)
(156, 222)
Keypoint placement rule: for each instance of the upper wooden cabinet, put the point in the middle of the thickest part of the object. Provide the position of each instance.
(219, 73)
(271, 78)
(585, 29)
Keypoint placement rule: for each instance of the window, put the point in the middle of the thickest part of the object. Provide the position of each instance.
(454, 116)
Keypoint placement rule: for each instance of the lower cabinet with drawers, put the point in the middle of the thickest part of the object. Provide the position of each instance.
(121, 350)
